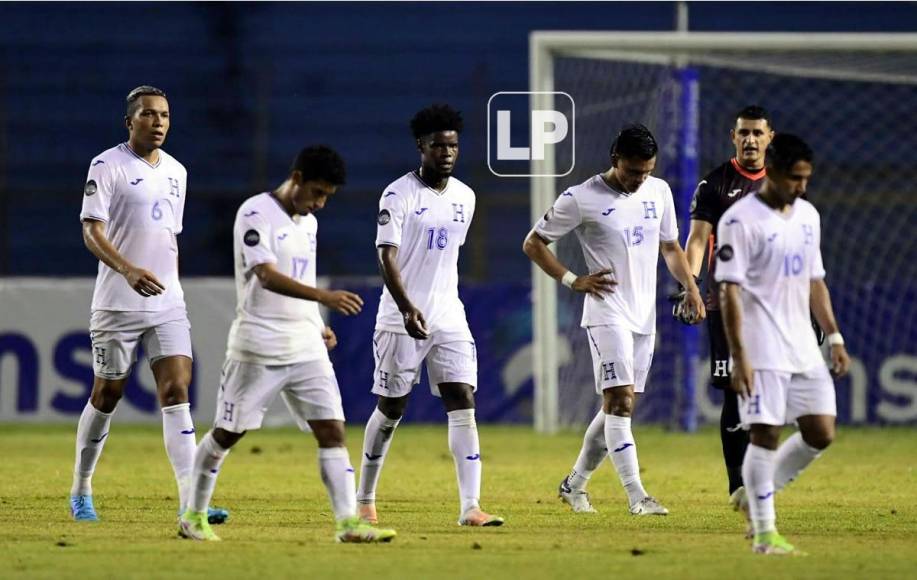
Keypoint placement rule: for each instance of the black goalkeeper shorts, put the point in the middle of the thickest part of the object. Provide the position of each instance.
(719, 350)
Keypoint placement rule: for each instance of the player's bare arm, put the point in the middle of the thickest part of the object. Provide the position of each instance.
(820, 305)
(414, 321)
(142, 281)
(696, 245)
(340, 301)
(596, 284)
(731, 305)
(677, 264)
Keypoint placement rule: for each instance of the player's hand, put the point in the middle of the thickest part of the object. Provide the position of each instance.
(415, 324)
(693, 307)
(741, 380)
(596, 284)
(343, 301)
(840, 361)
(143, 281)
(331, 340)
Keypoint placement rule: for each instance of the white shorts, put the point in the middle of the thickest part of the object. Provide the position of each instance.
(780, 398)
(450, 356)
(620, 357)
(309, 389)
(117, 335)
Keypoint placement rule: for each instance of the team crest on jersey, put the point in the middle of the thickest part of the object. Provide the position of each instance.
(726, 253)
(384, 217)
(91, 187)
(251, 238)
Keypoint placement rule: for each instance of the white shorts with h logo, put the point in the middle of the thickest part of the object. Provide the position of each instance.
(779, 397)
(620, 357)
(450, 358)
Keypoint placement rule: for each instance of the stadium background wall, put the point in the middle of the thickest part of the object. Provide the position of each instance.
(46, 367)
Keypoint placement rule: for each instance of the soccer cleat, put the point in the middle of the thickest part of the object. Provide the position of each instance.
(476, 517)
(81, 508)
(648, 506)
(356, 531)
(194, 526)
(217, 515)
(367, 513)
(773, 544)
(739, 502)
(578, 499)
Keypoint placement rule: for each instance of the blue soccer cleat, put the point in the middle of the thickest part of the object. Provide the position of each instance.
(81, 508)
(217, 515)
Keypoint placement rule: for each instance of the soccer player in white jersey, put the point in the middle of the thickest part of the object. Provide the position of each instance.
(624, 219)
(133, 203)
(278, 342)
(770, 271)
(423, 220)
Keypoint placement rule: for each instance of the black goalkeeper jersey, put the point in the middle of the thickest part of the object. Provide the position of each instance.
(721, 188)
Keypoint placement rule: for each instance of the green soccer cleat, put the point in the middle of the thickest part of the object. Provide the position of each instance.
(357, 531)
(773, 544)
(194, 526)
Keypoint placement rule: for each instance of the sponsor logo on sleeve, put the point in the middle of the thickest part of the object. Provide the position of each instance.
(91, 187)
(725, 253)
(251, 238)
(384, 217)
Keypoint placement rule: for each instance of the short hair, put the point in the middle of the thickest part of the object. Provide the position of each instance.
(634, 141)
(436, 118)
(133, 97)
(755, 113)
(785, 150)
(320, 163)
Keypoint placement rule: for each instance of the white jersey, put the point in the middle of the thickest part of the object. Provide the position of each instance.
(773, 257)
(142, 205)
(270, 328)
(619, 232)
(428, 227)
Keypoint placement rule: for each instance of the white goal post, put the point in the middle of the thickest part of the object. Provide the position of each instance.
(807, 58)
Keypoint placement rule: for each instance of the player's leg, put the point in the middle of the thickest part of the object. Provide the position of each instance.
(572, 490)
(734, 439)
(314, 399)
(452, 367)
(246, 390)
(765, 412)
(173, 376)
(398, 358)
(113, 355)
(811, 402)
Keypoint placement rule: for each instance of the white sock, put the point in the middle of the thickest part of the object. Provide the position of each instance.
(758, 476)
(376, 441)
(591, 454)
(337, 475)
(466, 451)
(623, 452)
(178, 434)
(793, 456)
(91, 433)
(207, 461)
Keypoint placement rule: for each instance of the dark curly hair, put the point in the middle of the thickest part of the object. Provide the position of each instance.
(785, 151)
(634, 141)
(133, 97)
(320, 163)
(436, 118)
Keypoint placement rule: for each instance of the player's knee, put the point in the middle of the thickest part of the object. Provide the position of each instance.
(106, 394)
(173, 391)
(226, 439)
(393, 407)
(457, 396)
(820, 438)
(328, 433)
(619, 402)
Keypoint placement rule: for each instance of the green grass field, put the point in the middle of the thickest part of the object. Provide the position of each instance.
(854, 511)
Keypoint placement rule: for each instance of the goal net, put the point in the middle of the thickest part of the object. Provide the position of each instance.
(852, 97)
